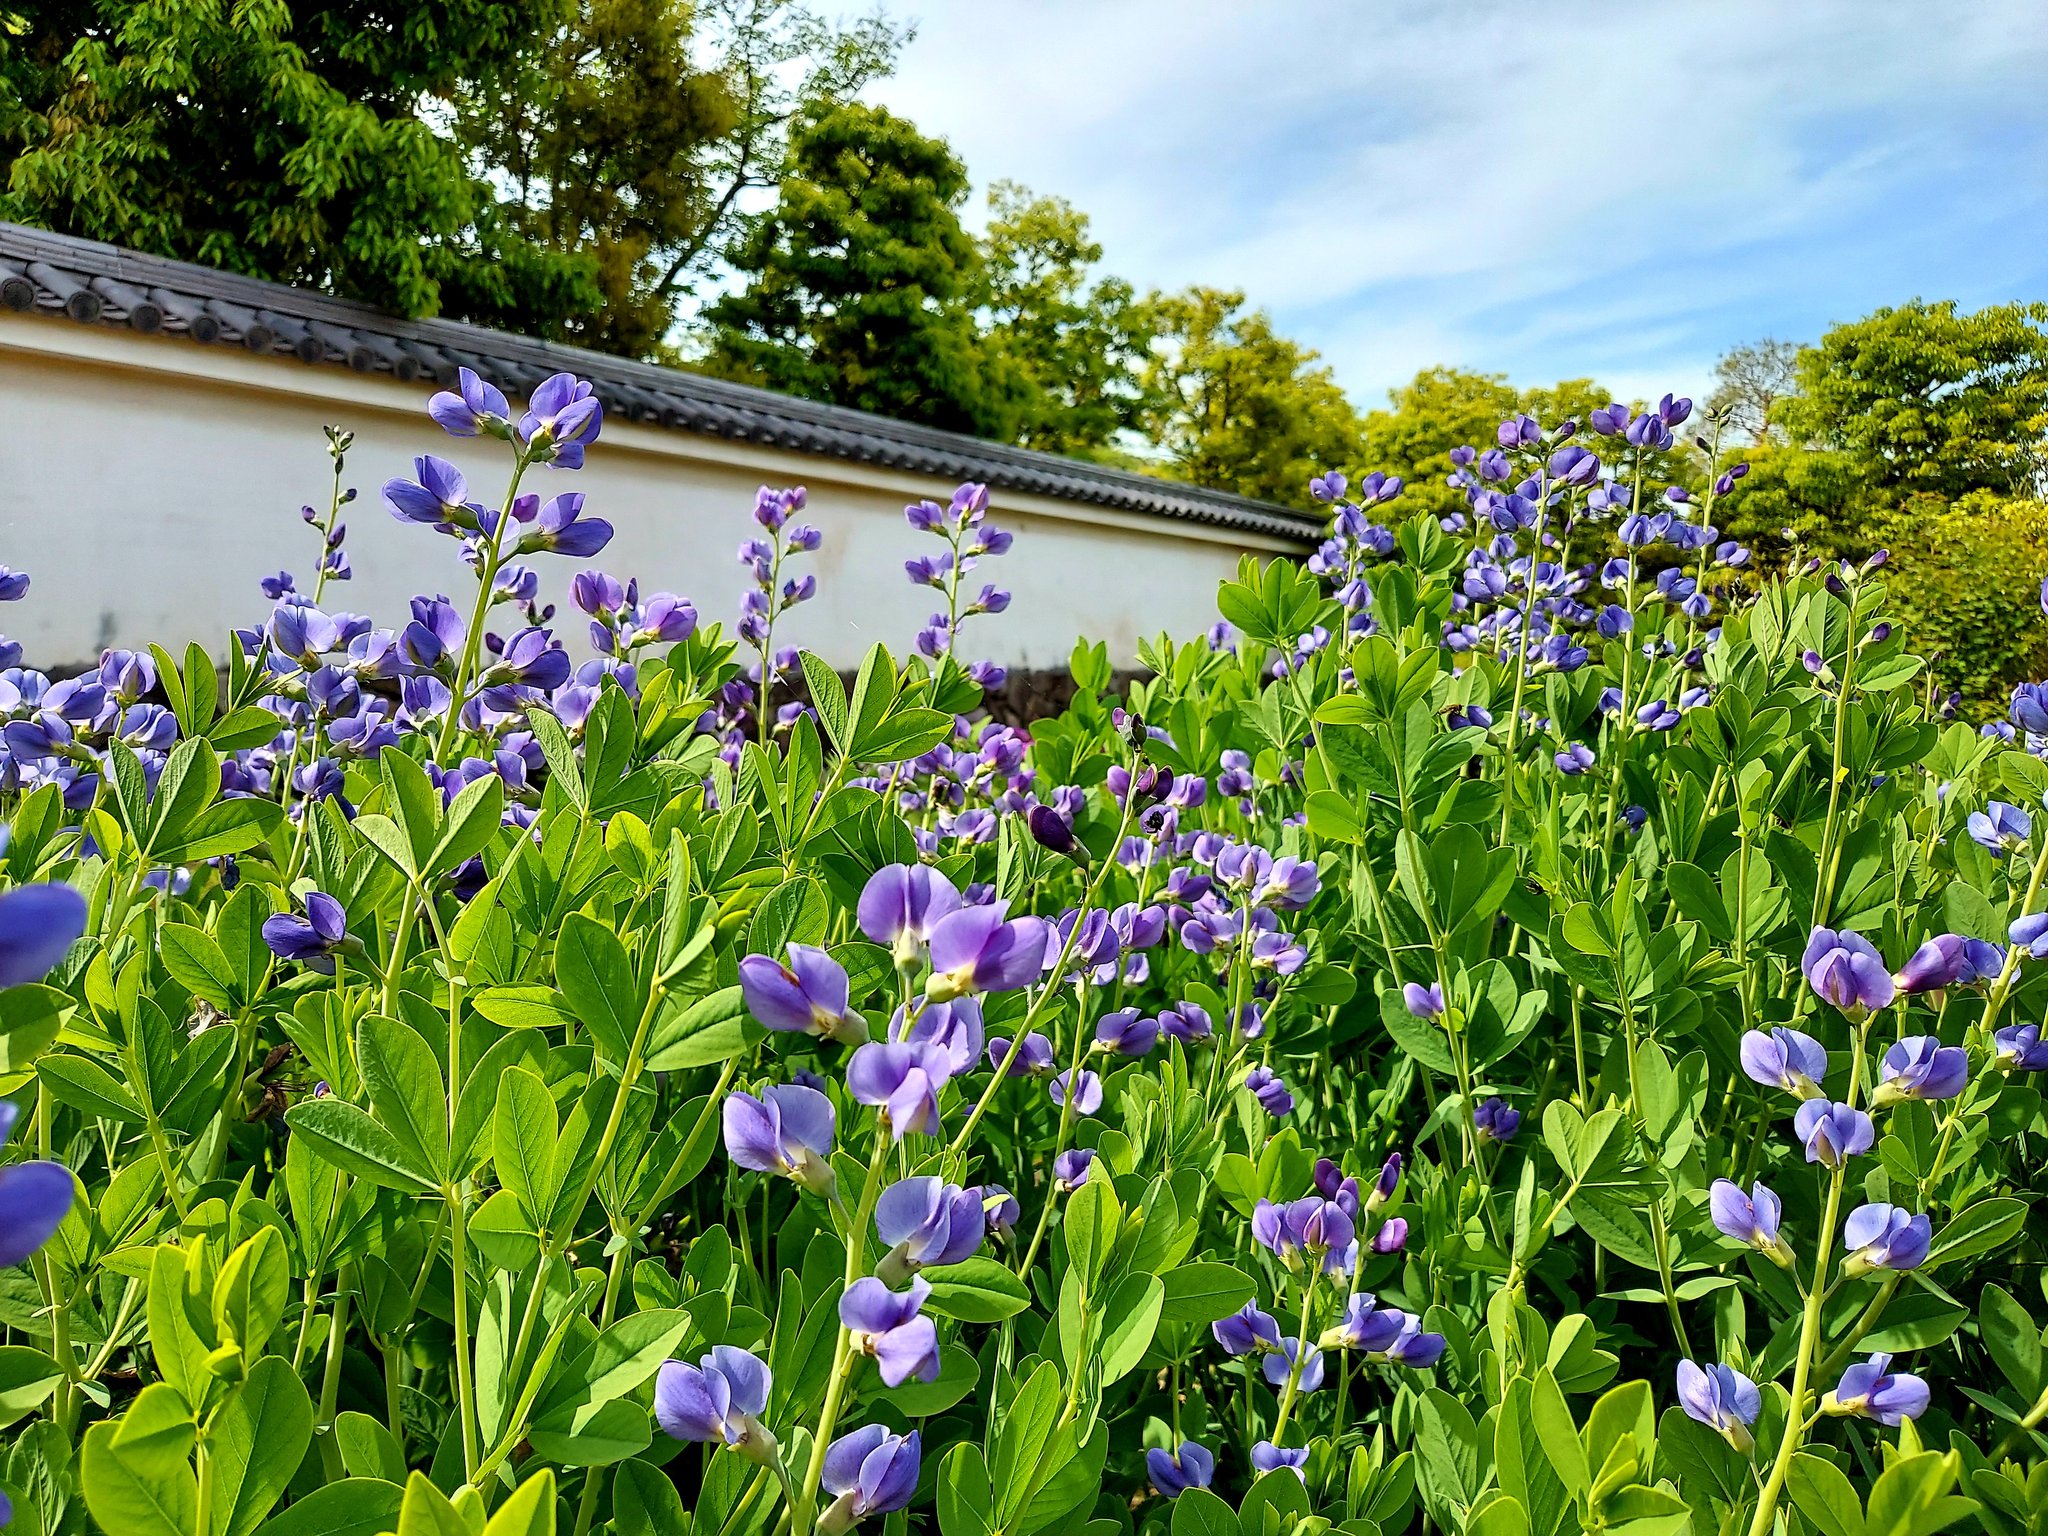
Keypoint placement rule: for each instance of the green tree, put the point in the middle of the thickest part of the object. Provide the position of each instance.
(1235, 406)
(1749, 381)
(622, 145)
(1081, 342)
(861, 286)
(276, 139)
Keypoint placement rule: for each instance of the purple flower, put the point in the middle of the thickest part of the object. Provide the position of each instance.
(1884, 1237)
(1246, 1331)
(1869, 1390)
(890, 1326)
(1752, 1218)
(562, 529)
(787, 1130)
(719, 1400)
(1832, 1133)
(1034, 1056)
(1050, 830)
(1424, 1002)
(1496, 1121)
(1279, 1362)
(1187, 1022)
(1087, 1095)
(953, 1027)
(806, 996)
(38, 925)
(2020, 1048)
(1845, 969)
(2000, 827)
(1073, 1168)
(1265, 1085)
(872, 1472)
(2030, 933)
(1574, 760)
(925, 1221)
(1174, 1472)
(1723, 1399)
(1311, 1227)
(977, 950)
(1268, 1457)
(1392, 1236)
(1388, 1181)
(1940, 962)
(13, 585)
(1785, 1059)
(1001, 1209)
(901, 1080)
(473, 407)
(1921, 1067)
(1412, 1347)
(562, 418)
(1366, 1326)
(35, 1197)
(1126, 1032)
(311, 939)
(438, 496)
(901, 905)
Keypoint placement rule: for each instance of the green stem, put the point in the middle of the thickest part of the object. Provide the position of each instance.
(1802, 1371)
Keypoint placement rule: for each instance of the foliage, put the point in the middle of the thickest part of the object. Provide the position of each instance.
(1750, 380)
(862, 285)
(1500, 1044)
(1081, 342)
(1236, 406)
(276, 140)
(621, 146)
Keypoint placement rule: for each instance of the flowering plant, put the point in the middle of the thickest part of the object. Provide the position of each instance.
(1430, 1052)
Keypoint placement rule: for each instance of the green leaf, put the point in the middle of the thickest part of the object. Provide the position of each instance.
(198, 965)
(346, 1138)
(256, 1441)
(232, 826)
(976, 1290)
(1911, 1497)
(137, 1495)
(30, 1017)
(828, 697)
(2012, 1338)
(1203, 1292)
(403, 1079)
(27, 1378)
(965, 1497)
(86, 1085)
(1130, 1318)
(523, 1139)
(645, 1501)
(355, 1506)
(594, 974)
(1092, 1219)
(712, 1029)
(1979, 1228)
(1823, 1494)
(1198, 1512)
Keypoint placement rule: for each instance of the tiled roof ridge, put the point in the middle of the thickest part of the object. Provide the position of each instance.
(99, 284)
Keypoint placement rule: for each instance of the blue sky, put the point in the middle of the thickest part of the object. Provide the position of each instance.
(1544, 190)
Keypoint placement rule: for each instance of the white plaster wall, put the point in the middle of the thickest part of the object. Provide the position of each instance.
(148, 483)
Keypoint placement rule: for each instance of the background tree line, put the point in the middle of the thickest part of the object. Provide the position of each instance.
(697, 181)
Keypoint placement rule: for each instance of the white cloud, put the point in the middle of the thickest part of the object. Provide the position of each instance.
(1504, 186)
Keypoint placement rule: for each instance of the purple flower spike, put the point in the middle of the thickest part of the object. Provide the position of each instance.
(1785, 1059)
(717, 1401)
(889, 1326)
(901, 905)
(38, 925)
(35, 1197)
(977, 950)
(1174, 1472)
(806, 996)
(1424, 1002)
(787, 1130)
(1884, 1237)
(1722, 1398)
(903, 1082)
(1921, 1067)
(926, 1221)
(871, 1472)
(1833, 1133)
(1753, 1218)
(1869, 1390)
(1268, 1457)
(1845, 969)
